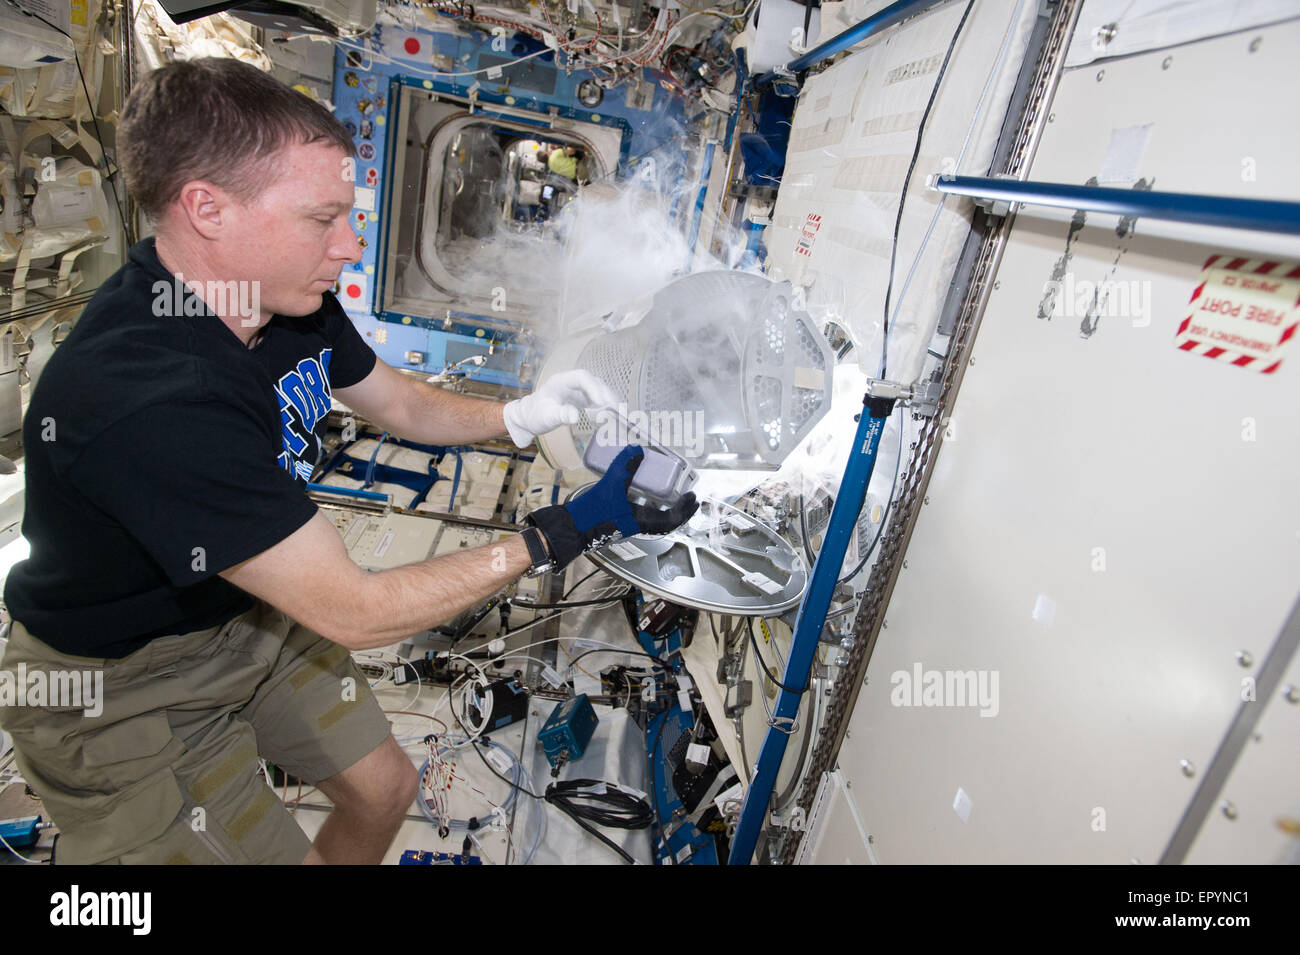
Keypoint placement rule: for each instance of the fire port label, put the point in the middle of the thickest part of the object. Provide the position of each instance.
(1243, 312)
(804, 241)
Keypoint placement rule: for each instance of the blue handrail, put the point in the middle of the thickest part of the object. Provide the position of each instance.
(886, 18)
(1256, 215)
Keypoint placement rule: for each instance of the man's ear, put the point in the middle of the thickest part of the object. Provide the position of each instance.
(205, 207)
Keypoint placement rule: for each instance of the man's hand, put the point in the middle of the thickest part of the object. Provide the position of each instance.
(603, 513)
(559, 400)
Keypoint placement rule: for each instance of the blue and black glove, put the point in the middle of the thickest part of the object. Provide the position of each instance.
(602, 513)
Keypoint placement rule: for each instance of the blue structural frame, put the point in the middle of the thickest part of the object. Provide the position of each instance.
(1256, 215)
(370, 472)
(368, 77)
(348, 492)
(809, 623)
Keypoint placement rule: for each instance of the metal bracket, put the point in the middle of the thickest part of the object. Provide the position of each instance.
(903, 394)
(796, 820)
(994, 208)
(925, 397)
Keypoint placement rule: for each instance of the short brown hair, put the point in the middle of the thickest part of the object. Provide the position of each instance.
(220, 120)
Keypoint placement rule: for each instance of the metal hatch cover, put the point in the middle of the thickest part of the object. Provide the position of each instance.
(721, 560)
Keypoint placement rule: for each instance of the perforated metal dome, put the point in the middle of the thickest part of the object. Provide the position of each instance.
(748, 373)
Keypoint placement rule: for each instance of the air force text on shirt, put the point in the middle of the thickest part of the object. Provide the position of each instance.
(304, 395)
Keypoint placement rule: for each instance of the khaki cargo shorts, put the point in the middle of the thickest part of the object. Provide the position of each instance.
(168, 772)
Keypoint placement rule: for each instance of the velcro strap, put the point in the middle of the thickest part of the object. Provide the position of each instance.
(556, 525)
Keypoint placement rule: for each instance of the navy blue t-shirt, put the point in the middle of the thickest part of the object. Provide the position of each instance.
(160, 450)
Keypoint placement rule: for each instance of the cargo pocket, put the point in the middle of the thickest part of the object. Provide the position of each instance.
(113, 786)
(118, 755)
(96, 828)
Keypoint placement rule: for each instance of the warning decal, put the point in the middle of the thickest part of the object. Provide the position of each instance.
(804, 243)
(1244, 312)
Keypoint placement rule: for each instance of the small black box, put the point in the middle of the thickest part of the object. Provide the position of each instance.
(509, 703)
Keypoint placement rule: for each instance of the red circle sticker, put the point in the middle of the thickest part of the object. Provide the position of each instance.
(354, 291)
(412, 45)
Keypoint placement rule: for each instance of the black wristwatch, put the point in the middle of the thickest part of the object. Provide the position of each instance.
(537, 552)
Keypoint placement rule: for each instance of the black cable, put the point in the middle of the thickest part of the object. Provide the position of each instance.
(579, 583)
(478, 616)
(43, 305)
(568, 811)
(536, 620)
(612, 809)
(907, 180)
(561, 805)
(884, 517)
(565, 605)
(474, 742)
(662, 663)
(758, 658)
(565, 801)
(90, 105)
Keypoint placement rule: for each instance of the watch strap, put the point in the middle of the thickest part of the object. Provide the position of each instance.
(537, 553)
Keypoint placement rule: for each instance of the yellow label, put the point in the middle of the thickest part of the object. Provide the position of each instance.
(94, 224)
(79, 13)
(85, 178)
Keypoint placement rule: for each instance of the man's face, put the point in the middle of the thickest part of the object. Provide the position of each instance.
(570, 151)
(295, 238)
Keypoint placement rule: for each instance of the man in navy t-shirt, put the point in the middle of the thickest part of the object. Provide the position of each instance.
(173, 546)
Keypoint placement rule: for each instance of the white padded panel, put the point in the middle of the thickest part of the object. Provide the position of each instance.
(850, 143)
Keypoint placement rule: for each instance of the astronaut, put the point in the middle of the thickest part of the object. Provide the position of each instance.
(173, 545)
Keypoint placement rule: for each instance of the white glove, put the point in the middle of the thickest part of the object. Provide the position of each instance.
(559, 400)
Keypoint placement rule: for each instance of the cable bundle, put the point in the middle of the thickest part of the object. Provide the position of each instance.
(602, 803)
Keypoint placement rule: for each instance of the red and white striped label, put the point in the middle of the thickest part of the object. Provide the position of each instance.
(804, 243)
(1243, 312)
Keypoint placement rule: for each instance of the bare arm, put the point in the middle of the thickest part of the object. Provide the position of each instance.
(417, 411)
(310, 576)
